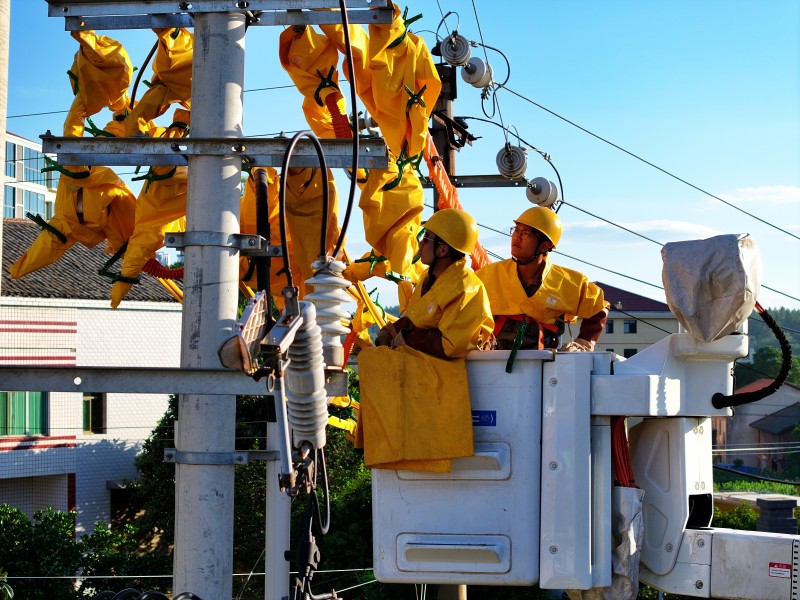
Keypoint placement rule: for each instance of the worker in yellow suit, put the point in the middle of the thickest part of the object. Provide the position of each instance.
(415, 410)
(532, 299)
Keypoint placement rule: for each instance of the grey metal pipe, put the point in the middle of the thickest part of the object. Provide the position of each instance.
(203, 560)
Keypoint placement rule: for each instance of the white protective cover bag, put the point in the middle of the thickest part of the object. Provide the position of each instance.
(627, 533)
(712, 285)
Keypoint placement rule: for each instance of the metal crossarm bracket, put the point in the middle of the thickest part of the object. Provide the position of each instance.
(205, 458)
(140, 14)
(481, 181)
(247, 244)
(262, 152)
(148, 380)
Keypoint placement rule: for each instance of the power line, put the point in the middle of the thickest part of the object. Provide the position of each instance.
(56, 112)
(647, 162)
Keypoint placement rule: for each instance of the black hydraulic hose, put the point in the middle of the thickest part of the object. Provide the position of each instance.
(326, 201)
(126, 594)
(719, 400)
(282, 195)
(352, 194)
(262, 228)
(141, 71)
(323, 525)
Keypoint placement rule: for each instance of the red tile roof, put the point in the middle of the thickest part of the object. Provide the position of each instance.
(630, 302)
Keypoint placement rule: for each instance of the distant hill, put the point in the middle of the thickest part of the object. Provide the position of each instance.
(761, 335)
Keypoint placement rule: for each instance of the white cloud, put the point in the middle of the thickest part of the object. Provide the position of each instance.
(764, 195)
(661, 230)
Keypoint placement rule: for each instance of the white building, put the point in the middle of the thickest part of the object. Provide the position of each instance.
(25, 188)
(634, 322)
(72, 450)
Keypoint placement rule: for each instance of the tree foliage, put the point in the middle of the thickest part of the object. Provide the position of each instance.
(45, 550)
(766, 364)
(761, 336)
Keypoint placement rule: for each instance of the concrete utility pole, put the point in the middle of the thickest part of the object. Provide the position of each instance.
(5, 29)
(205, 436)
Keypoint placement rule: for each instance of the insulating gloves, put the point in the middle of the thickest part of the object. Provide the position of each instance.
(577, 345)
(386, 335)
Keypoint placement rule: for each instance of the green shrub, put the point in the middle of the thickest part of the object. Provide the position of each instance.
(742, 517)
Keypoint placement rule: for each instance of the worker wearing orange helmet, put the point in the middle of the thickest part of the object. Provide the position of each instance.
(532, 299)
(415, 411)
(448, 314)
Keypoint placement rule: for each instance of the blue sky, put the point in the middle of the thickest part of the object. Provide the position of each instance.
(708, 91)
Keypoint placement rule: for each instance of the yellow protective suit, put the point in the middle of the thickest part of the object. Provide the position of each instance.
(303, 225)
(100, 76)
(172, 80)
(392, 217)
(311, 61)
(304, 216)
(90, 210)
(248, 226)
(395, 78)
(458, 306)
(564, 294)
(415, 411)
(160, 208)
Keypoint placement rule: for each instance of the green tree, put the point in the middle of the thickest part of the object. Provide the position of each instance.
(40, 549)
(6, 591)
(761, 336)
(118, 553)
(766, 363)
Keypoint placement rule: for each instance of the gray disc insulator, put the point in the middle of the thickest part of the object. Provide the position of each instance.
(455, 50)
(512, 161)
(542, 192)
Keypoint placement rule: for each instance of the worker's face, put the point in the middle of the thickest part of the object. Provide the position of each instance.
(524, 242)
(428, 250)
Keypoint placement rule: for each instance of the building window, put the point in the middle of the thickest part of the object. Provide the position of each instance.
(628, 352)
(11, 158)
(629, 326)
(23, 413)
(33, 203)
(610, 326)
(32, 165)
(9, 200)
(94, 413)
(51, 179)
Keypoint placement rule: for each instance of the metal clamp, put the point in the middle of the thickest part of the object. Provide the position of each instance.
(172, 455)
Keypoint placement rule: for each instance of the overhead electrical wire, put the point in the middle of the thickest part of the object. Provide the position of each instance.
(544, 155)
(547, 158)
(647, 162)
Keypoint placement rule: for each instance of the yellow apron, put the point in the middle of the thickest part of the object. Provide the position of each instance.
(415, 412)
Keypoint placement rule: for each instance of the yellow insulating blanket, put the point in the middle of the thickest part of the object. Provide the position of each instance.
(415, 412)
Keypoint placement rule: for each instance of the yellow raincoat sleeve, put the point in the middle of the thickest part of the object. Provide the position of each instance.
(100, 76)
(564, 293)
(304, 217)
(90, 210)
(311, 61)
(458, 306)
(160, 208)
(392, 216)
(172, 80)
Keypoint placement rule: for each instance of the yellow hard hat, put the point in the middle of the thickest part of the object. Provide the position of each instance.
(455, 228)
(544, 220)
